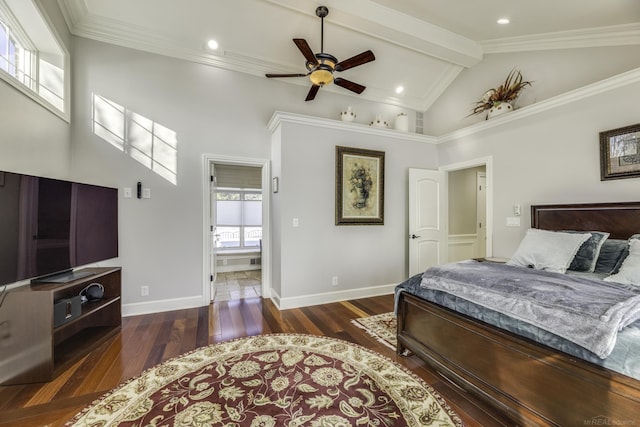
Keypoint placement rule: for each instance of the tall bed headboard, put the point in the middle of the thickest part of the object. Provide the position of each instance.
(620, 219)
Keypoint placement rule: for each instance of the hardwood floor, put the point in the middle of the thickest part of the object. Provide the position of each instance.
(150, 339)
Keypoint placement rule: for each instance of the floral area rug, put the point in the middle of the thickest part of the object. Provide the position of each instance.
(380, 326)
(273, 380)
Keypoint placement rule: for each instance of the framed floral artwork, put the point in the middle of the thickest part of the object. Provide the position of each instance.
(359, 186)
(620, 153)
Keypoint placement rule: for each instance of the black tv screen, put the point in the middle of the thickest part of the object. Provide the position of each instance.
(50, 226)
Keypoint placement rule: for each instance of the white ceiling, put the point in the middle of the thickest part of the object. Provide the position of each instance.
(421, 45)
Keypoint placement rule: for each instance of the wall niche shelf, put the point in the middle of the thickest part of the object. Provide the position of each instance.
(32, 349)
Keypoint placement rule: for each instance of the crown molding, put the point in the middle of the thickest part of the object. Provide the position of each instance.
(280, 117)
(617, 35)
(611, 83)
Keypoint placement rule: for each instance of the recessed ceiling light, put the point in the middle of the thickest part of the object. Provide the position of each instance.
(399, 90)
(503, 21)
(212, 44)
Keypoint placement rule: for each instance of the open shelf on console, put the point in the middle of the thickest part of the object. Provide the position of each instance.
(38, 351)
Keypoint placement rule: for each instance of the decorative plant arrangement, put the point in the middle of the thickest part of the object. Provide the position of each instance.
(499, 100)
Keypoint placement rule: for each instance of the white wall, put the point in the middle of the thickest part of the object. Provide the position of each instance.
(212, 111)
(553, 72)
(34, 140)
(362, 257)
(549, 157)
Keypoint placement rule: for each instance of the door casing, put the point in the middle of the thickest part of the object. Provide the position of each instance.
(207, 161)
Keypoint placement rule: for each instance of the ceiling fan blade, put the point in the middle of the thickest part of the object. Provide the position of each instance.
(312, 93)
(354, 87)
(306, 50)
(285, 75)
(354, 61)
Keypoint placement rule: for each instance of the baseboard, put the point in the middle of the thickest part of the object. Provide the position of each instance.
(329, 297)
(137, 308)
(158, 306)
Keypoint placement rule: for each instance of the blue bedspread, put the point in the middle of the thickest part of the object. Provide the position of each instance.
(587, 312)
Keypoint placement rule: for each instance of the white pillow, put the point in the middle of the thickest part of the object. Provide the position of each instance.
(629, 272)
(548, 250)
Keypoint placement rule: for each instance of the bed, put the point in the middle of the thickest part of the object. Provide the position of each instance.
(533, 383)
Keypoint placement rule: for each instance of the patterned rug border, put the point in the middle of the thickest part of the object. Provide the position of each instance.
(361, 322)
(454, 418)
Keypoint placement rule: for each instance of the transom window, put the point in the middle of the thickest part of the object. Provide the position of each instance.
(31, 59)
(238, 219)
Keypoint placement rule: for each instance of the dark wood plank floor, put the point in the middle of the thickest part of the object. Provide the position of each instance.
(150, 339)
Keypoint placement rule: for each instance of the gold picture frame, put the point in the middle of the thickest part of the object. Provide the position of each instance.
(620, 153)
(359, 186)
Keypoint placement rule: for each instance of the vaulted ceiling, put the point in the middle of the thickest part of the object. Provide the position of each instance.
(420, 45)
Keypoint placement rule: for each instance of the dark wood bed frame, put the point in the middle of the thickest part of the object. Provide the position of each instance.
(533, 384)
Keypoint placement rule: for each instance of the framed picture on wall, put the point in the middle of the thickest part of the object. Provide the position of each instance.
(620, 153)
(359, 186)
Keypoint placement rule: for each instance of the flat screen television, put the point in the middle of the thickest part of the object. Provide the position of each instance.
(48, 227)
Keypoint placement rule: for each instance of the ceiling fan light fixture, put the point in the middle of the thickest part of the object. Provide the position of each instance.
(322, 73)
(321, 76)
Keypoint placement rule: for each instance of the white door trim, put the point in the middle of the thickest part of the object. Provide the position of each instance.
(207, 159)
(487, 162)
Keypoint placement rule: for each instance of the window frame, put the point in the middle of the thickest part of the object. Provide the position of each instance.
(33, 85)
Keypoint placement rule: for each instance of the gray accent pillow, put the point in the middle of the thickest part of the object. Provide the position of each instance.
(630, 270)
(548, 250)
(587, 256)
(612, 253)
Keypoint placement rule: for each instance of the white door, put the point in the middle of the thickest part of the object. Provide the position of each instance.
(481, 212)
(428, 220)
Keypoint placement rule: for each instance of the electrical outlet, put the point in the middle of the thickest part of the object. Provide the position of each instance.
(334, 281)
(144, 291)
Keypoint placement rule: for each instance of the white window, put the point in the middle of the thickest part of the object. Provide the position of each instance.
(238, 219)
(31, 59)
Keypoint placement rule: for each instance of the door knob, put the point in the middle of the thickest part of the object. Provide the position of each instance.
(413, 236)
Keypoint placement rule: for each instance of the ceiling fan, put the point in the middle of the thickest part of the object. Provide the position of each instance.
(321, 66)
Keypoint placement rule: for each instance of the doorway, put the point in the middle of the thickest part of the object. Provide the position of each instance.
(236, 229)
(470, 209)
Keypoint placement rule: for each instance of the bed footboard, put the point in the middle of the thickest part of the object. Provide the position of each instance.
(533, 384)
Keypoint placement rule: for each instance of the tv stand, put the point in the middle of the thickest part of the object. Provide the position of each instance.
(32, 349)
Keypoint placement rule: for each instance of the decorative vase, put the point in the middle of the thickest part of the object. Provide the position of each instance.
(347, 116)
(498, 109)
(401, 123)
(378, 122)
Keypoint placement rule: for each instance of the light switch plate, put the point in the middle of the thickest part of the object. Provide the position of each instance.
(146, 193)
(127, 192)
